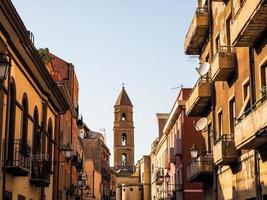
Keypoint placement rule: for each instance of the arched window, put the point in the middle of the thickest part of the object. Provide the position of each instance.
(49, 140)
(123, 117)
(24, 135)
(124, 139)
(12, 113)
(36, 133)
(124, 159)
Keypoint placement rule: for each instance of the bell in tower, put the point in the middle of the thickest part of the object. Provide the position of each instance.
(123, 134)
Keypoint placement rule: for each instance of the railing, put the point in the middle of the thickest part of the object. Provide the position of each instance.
(254, 106)
(200, 166)
(225, 138)
(202, 79)
(225, 49)
(41, 169)
(199, 10)
(18, 154)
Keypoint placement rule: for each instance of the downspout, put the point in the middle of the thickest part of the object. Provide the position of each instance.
(6, 133)
(58, 158)
(213, 97)
(258, 188)
(93, 183)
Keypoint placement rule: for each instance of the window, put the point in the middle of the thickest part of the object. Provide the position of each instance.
(228, 30)
(232, 113)
(217, 43)
(246, 95)
(124, 159)
(24, 135)
(49, 141)
(210, 138)
(124, 139)
(12, 112)
(123, 117)
(8, 195)
(36, 133)
(220, 124)
(264, 81)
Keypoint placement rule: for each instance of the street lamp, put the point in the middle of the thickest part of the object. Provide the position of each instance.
(194, 151)
(167, 178)
(5, 64)
(81, 181)
(68, 154)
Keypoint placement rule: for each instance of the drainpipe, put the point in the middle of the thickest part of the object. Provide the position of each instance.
(58, 158)
(213, 97)
(258, 188)
(6, 133)
(257, 175)
(93, 183)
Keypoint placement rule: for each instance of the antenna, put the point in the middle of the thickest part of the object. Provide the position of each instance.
(178, 87)
(201, 124)
(203, 69)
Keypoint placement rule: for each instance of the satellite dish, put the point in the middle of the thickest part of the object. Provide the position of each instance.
(203, 69)
(201, 124)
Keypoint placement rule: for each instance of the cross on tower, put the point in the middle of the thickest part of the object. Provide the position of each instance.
(123, 84)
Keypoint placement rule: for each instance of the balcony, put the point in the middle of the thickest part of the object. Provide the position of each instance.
(159, 176)
(200, 169)
(250, 22)
(198, 32)
(18, 158)
(251, 127)
(223, 64)
(199, 99)
(41, 169)
(224, 150)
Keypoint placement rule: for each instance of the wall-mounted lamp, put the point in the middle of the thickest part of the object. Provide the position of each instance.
(5, 64)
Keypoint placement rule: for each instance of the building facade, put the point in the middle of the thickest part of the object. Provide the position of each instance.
(181, 134)
(230, 39)
(159, 161)
(29, 114)
(97, 151)
(70, 152)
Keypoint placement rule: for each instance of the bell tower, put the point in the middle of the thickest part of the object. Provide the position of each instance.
(123, 134)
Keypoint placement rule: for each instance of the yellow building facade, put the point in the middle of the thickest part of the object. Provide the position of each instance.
(29, 114)
(230, 39)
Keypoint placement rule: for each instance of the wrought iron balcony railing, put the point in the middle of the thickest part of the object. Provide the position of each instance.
(41, 169)
(18, 158)
(201, 168)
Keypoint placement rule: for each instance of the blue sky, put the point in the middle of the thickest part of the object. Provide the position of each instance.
(139, 42)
